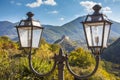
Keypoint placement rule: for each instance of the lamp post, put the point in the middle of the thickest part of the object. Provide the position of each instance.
(96, 28)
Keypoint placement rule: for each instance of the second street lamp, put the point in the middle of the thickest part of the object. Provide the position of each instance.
(96, 28)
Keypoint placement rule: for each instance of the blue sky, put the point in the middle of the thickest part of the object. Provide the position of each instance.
(56, 12)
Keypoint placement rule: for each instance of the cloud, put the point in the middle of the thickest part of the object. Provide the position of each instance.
(53, 12)
(112, 0)
(62, 19)
(38, 3)
(50, 2)
(116, 0)
(106, 10)
(16, 3)
(12, 2)
(19, 4)
(35, 4)
(88, 5)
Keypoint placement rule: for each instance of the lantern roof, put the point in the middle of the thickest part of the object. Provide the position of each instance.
(96, 16)
(30, 22)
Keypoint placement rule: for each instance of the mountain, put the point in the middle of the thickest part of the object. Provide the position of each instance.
(73, 29)
(115, 30)
(112, 53)
(66, 43)
(7, 28)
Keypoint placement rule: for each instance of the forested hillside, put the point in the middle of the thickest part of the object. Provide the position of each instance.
(113, 51)
(14, 62)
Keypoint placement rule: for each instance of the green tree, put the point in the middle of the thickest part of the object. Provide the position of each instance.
(81, 58)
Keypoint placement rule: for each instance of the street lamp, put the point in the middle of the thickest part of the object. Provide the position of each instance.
(29, 32)
(96, 28)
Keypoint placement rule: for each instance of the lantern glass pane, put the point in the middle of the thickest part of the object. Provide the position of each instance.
(97, 35)
(25, 36)
(106, 34)
(36, 23)
(25, 23)
(94, 18)
(36, 37)
(94, 33)
(88, 35)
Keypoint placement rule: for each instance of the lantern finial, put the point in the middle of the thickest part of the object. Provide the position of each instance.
(96, 9)
(30, 15)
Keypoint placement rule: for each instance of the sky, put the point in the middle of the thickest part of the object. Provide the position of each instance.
(56, 12)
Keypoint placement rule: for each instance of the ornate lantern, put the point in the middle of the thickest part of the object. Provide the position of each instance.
(29, 32)
(97, 29)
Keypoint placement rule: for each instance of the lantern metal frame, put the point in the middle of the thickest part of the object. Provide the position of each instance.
(61, 60)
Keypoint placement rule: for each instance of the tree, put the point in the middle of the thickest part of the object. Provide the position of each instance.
(81, 58)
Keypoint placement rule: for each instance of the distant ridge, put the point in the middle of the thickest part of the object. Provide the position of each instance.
(112, 53)
(7, 29)
(61, 40)
(67, 44)
(72, 29)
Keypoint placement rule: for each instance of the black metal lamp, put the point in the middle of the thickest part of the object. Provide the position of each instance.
(29, 32)
(97, 29)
